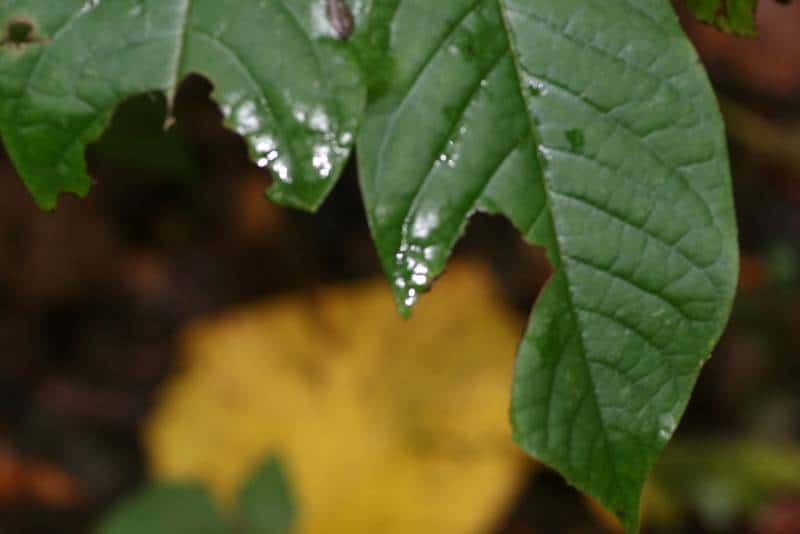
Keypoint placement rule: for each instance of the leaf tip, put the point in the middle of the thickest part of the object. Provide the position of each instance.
(46, 202)
(290, 198)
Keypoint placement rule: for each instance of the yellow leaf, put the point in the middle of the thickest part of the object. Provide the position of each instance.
(386, 425)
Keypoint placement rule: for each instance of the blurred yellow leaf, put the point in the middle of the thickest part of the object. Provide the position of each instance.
(387, 426)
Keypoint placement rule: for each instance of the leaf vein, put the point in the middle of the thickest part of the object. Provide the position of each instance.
(456, 122)
(642, 288)
(502, 4)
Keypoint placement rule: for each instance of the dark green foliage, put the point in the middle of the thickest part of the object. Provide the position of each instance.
(588, 123)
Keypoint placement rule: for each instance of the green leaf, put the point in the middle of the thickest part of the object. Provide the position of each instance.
(591, 125)
(266, 501)
(732, 16)
(281, 76)
(167, 508)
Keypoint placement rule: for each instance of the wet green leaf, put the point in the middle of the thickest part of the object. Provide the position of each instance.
(281, 75)
(592, 126)
(732, 16)
(167, 508)
(266, 501)
(589, 123)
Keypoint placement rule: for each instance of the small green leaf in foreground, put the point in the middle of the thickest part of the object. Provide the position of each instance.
(281, 76)
(167, 508)
(592, 126)
(266, 501)
(732, 16)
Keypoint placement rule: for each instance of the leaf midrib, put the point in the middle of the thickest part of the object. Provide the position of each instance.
(415, 199)
(412, 86)
(534, 133)
(555, 243)
(180, 45)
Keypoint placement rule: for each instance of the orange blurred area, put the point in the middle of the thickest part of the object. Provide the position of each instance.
(48, 485)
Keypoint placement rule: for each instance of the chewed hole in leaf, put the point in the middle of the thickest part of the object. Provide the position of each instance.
(19, 32)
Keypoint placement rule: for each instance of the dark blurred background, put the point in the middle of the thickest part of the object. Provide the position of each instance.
(92, 298)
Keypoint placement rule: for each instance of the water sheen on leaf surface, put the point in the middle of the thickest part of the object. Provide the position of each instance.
(282, 77)
(591, 125)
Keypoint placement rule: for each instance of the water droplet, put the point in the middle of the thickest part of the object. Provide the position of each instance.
(320, 121)
(545, 156)
(281, 169)
(431, 252)
(420, 274)
(321, 160)
(536, 88)
(667, 425)
(413, 274)
(424, 224)
(264, 144)
(246, 119)
(88, 6)
(229, 100)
